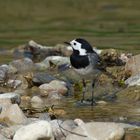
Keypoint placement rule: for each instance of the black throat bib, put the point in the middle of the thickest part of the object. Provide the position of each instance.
(78, 61)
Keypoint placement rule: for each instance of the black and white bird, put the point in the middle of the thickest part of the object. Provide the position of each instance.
(85, 62)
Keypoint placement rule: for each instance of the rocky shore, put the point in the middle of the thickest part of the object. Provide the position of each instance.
(40, 78)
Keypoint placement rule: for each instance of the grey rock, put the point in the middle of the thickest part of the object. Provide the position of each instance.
(11, 114)
(8, 69)
(41, 78)
(20, 92)
(45, 116)
(36, 99)
(0, 109)
(12, 70)
(37, 102)
(64, 49)
(39, 51)
(55, 86)
(14, 83)
(3, 73)
(133, 80)
(22, 65)
(35, 131)
(14, 97)
(71, 75)
(3, 138)
(61, 128)
(30, 121)
(9, 132)
(56, 60)
(4, 67)
(97, 131)
(41, 66)
(53, 96)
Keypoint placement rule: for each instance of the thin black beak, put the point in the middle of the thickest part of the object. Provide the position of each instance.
(67, 43)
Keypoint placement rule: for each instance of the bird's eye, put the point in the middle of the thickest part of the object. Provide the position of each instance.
(74, 43)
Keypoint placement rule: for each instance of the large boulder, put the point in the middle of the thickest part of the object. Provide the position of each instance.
(35, 131)
(97, 131)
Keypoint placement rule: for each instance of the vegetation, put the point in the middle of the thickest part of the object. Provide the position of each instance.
(104, 23)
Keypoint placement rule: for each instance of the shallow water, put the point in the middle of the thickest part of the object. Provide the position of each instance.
(117, 111)
(124, 112)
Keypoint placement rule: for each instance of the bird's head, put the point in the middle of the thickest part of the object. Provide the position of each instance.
(80, 46)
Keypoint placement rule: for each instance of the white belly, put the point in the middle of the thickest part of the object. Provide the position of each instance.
(87, 71)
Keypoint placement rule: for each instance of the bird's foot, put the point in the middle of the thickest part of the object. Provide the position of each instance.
(82, 100)
(88, 102)
(92, 101)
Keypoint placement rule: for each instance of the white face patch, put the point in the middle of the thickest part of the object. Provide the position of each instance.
(78, 46)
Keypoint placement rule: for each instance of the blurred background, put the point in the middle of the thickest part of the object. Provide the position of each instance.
(104, 23)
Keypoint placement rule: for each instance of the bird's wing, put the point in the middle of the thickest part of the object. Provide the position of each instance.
(97, 63)
(95, 60)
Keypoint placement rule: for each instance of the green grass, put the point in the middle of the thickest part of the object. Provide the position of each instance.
(105, 23)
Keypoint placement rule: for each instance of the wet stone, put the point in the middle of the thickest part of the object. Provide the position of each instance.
(14, 97)
(55, 86)
(45, 116)
(12, 114)
(41, 78)
(34, 131)
(36, 102)
(3, 73)
(97, 130)
(22, 65)
(3, 138)
(133, 80)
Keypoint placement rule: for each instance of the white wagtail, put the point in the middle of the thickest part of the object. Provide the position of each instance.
(85, 62)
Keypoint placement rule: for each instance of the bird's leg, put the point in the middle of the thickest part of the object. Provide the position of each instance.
(83, 90)
(92, 93)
